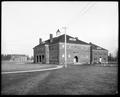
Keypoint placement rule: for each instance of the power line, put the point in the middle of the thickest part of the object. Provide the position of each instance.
(78, 13)
(83, 11)
(88, 9)
(84, 8)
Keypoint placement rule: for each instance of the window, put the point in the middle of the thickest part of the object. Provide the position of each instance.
(50, 48)
(69, 56)
(72, 39)
(82, 48)
(95, 58)
(37, 58)
(63, 46)
(75, 59)
(43, 57)
(40, 58)
(104, 59)
(63, 55)
(86, 56)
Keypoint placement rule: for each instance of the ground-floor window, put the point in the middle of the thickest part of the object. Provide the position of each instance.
(104, 59)
(37, 58)
(40, 57)
(95, 59)
(43, 57)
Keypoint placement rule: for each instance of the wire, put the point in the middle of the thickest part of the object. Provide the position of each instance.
(88, 9)
(75, 17)
(83, 11)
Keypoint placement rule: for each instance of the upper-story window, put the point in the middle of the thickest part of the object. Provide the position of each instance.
(72, 39)
(53, 47)
(99, 48)
(104, 58)
(105, 54)
(95, 58)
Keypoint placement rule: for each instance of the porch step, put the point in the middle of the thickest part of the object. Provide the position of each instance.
(78, 63)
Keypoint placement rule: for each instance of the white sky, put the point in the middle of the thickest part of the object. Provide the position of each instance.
(23, 23)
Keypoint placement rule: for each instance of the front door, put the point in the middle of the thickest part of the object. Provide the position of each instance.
(75, 59)
(43, 59)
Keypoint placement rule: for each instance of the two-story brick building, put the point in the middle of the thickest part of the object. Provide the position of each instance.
(52, 51)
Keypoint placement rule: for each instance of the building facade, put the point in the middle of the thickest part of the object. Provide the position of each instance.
(98, 54)
(52, 51)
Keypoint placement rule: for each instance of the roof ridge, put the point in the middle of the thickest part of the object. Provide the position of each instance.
(61, 38)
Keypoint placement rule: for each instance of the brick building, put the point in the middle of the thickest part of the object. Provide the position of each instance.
(52, 51)
(98, 54)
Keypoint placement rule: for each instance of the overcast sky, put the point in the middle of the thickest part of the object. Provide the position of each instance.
(23, 23)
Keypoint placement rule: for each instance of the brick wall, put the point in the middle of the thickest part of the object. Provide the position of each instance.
(96, 54)
(47, 54)
(54, 53)
(81, 51)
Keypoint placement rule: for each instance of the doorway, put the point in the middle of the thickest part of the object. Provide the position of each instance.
(75, 59)
(100, 60)
(43, 60)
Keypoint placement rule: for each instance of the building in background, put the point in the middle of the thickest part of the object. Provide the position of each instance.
(18, 58)
(52, 51)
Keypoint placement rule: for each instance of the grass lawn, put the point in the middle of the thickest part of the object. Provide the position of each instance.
(14, 66)
(74, 80)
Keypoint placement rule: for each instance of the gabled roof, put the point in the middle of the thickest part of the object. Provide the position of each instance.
(71, 40)
(62, 39)
(96, 47)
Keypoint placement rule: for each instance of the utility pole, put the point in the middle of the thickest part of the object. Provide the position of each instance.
(65, 48)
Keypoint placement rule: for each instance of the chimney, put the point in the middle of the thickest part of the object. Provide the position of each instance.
(90, 43)
(76, 37)
(51, 37)
(40, 40)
